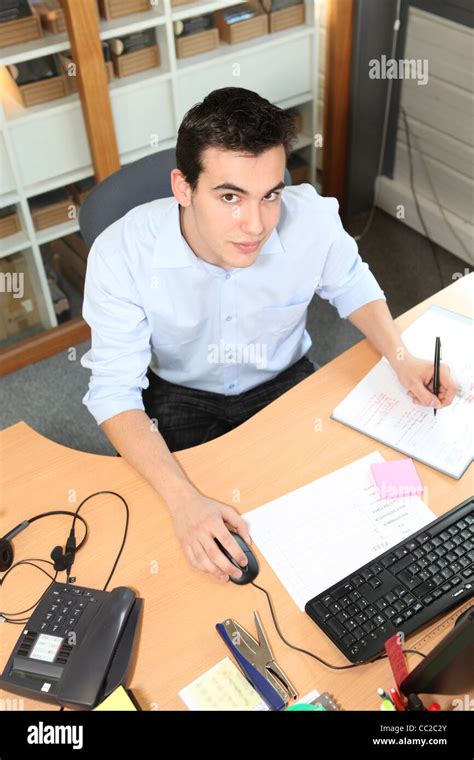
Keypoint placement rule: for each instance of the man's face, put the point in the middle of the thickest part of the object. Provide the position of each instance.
(236, 205)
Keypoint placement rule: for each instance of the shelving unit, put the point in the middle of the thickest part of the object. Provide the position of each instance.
(46, 147)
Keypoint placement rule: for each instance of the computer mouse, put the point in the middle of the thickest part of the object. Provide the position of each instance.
(250, 571)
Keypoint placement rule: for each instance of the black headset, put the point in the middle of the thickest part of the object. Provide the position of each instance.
(62, 560)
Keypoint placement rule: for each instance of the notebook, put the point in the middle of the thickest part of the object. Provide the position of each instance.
(380, 408)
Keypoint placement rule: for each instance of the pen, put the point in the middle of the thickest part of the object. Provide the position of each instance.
(437, 358)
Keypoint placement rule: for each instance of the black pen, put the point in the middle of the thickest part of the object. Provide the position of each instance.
(437, 359)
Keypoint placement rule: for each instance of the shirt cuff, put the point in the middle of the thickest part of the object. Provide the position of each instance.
(111, 404)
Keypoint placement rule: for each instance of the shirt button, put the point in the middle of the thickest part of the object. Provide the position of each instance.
(227, 276)
(231, 386)
(227, 319)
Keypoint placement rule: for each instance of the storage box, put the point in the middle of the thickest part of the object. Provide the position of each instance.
(18, 306)
(139, 60)
(286, 18)
(193, 44)
(9, 223)
(72, 85)
(70, 257)
(116, 8)
(46, 89)
(241, 30)
(51, 208)
(20, 30)
(81, 189)
(51, 16)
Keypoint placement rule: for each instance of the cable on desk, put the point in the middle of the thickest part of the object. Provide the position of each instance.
(315, 656)
(125, 532)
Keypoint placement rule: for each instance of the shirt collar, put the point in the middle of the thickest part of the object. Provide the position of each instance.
(172, 250)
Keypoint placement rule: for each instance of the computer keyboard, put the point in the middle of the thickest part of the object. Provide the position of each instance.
(404, 589)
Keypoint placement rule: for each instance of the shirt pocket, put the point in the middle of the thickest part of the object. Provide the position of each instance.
(282, 320)
(169, 334)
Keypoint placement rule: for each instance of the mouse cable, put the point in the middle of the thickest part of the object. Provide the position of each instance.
(315, 656)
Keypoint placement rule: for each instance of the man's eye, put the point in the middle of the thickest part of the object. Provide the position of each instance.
(229, 195)
(275, 194)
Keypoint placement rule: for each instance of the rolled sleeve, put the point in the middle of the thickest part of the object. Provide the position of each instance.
(120, 348)
(347, 282)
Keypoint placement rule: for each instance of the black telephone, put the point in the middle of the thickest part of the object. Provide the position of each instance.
(77, 646)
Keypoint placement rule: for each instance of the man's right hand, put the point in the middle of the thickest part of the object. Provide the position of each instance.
(197, 521)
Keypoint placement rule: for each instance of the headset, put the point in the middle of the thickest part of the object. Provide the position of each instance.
(62, 559)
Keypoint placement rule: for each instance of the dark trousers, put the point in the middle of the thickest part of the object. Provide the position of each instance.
(187, 417)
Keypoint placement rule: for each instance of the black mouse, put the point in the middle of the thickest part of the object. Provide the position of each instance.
(250, 571)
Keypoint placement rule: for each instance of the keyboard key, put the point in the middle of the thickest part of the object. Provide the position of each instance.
(423, 537)
(321, 611)
(341, 591)
(410, 581)
(375, 582)
(427, 586)
(348, 640)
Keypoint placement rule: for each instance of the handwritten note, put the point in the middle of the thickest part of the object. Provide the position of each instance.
(379, 406)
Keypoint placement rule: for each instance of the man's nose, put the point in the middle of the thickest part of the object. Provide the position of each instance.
(251, 222)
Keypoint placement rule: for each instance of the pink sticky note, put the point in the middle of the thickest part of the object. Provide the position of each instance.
(397, 478)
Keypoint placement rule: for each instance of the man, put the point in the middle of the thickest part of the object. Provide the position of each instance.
(197, 305)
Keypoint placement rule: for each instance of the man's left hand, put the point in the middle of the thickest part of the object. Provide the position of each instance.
(416, 375)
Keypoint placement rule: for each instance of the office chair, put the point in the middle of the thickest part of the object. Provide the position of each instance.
(139, 182)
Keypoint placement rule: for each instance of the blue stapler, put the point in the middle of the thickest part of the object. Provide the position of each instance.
(257, 663)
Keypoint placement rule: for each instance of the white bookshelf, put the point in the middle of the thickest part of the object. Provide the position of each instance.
(46, 147)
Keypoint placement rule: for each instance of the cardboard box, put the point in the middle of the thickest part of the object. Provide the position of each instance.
(193, 44)
(241, 31)
(51, 16)
(51, 208)
(70, 257)
(110, 9)
(46, 89)
(139, 60)
(21, 30)
(286, 18)
(71, 81)
(18, 307)
(9, 224)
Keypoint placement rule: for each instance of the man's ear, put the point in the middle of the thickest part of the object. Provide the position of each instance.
(180, 187)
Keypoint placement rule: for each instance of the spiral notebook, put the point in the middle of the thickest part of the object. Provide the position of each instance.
(379, 406)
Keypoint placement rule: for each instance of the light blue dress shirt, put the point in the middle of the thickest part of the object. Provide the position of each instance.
(149, 300)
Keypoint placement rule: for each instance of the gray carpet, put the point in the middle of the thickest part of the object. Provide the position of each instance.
(47, 395)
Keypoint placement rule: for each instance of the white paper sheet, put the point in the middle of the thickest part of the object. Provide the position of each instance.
(315, 536)
(379, 406)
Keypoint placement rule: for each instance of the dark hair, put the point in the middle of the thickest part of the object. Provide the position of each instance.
(231, 118)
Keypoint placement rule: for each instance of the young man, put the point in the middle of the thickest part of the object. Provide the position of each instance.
(197, 305)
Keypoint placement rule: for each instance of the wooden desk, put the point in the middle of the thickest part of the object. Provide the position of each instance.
(273, 453)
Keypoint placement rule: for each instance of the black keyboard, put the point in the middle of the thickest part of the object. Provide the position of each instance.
(403, 589)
